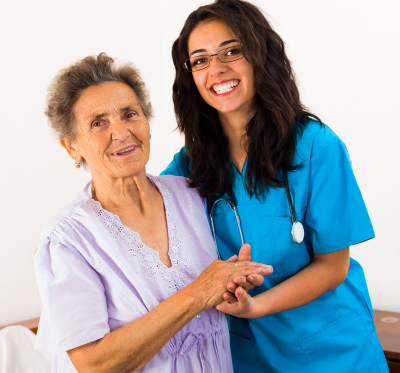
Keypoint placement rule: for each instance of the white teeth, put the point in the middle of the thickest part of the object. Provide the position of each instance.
(226, 87)
(127, 150)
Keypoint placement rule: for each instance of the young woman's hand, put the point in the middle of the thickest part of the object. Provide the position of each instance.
(244, 307)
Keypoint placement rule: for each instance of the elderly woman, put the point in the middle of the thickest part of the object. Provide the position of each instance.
(127, 272)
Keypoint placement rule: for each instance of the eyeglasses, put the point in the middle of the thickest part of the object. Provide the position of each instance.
(225, 55)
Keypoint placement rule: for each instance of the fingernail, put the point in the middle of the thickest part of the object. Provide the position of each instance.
(240, 291)
(251, 278)
(240, 280)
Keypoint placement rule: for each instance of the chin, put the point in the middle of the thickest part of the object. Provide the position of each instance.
(226, 109)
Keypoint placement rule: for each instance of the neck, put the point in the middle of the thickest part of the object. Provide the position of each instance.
(125, 193)
(234, 126)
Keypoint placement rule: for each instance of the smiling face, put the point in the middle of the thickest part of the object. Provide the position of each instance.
(112, 133)
(227, 87)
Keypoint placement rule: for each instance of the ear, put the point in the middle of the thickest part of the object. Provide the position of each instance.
(72, 149)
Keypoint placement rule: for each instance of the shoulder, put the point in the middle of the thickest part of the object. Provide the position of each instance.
(177, 188)
(171, 183)
(178, 164)
(315, 138)
(68, 215)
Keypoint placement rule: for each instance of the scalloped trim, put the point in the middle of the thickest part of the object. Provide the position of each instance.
(149, 258)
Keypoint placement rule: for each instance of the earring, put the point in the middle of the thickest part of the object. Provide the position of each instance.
(78, 164)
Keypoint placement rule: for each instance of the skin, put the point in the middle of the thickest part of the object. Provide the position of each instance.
(109, 118)
(327, 271)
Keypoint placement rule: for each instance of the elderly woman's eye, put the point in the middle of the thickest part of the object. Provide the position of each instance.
(97, 124)
(131, 115)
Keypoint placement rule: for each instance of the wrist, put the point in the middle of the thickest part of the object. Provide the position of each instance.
(195, 299)
(260, 308)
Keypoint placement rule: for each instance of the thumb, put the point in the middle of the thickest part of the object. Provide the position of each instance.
(242, 295)
(233, 258)
(245, 252)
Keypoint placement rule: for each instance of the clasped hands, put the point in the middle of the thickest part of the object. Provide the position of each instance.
(236, 301)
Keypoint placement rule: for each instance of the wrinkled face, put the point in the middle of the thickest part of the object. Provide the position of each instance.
(112, 133)
(227, 87)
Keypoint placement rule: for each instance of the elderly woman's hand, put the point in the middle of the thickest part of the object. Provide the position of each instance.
(213, 282)
(247, 283)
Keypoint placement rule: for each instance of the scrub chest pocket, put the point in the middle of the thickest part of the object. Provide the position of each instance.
(278, 249)
(341, 346)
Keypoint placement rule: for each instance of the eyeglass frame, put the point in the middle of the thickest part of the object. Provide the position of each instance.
(245, 49)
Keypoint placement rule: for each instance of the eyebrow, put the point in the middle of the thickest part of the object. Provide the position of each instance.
(101, 115)
(221, 45)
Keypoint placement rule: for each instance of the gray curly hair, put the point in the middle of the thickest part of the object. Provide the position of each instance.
(69, 84)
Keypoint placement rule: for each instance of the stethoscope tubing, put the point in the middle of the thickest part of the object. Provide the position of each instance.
(297, 227)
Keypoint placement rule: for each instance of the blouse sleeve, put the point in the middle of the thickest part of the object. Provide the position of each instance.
(73, 297)
(336, 214)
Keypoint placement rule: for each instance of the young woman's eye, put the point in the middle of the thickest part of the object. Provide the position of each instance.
(199, 61)
(233, 51)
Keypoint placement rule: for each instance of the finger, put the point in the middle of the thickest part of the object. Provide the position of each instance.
(255, 280)
(250, 268)
(233, 258)
(242, 295)
(231, 287)
(229, 297)
(245, 252)
(263, 270)
(223, 306)
(239, 280)
(247, 264)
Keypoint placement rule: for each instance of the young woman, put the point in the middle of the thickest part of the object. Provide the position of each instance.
(266, 165)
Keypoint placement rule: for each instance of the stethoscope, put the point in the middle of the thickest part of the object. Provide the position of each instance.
(297, 228)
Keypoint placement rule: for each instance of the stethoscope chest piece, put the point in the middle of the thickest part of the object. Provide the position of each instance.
(298, 232)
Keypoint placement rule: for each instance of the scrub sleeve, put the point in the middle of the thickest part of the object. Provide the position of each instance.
(336, 215)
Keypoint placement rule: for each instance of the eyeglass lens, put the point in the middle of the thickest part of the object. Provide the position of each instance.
(225, 55)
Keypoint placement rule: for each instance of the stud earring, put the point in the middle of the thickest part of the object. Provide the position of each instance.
(78, 164)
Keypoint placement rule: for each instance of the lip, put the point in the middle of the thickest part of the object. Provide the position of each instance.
(115, 154)
(222, 82)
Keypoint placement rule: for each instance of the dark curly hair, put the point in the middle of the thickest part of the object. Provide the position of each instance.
(271, 133)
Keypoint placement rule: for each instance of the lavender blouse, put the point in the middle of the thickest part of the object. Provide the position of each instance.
(95, 275)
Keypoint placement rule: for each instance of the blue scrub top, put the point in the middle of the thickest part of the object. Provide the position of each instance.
(334, 333)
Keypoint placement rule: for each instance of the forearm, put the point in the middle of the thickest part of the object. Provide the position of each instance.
(316, 279)
(130, 347)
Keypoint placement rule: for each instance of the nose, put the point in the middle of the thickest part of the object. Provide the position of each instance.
(216, 66)
(119, 131)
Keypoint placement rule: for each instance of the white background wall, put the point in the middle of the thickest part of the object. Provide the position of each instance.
(346, 55)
